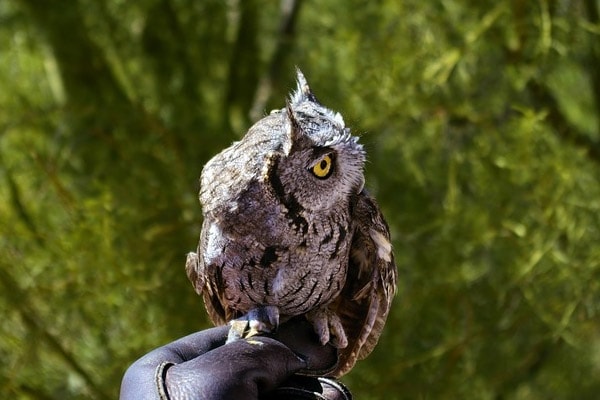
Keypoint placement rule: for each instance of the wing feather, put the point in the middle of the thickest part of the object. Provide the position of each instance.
(197, 273)
(370, 285)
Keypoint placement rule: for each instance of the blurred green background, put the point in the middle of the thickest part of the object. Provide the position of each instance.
(482, 125)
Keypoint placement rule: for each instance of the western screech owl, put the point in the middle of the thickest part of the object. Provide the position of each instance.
(289, 230)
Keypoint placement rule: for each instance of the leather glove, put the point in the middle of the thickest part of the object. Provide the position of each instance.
(286, 365)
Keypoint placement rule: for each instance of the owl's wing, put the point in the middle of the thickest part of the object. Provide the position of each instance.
(370, 285)
(208, 288)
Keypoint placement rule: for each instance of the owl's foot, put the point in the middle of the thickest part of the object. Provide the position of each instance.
(262, 319)
(328, 327)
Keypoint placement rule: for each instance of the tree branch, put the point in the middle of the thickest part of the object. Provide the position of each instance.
(290, 10)
(243, 67)
(19, 300)
(560, 124)
(593, 13)
(19, 207)
(86, 75)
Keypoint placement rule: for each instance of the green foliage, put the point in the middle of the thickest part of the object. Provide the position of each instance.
(482, 124)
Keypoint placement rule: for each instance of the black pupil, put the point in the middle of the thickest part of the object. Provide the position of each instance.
(323, 164)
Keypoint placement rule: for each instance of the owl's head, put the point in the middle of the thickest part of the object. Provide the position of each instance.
(320, 164)
(302, 154)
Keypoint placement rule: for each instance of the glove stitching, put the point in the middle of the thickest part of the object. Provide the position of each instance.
(160, 378)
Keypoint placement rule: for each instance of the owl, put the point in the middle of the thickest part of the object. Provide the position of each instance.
(289, 230)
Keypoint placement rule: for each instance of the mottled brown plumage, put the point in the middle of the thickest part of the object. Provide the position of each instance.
(289, 230)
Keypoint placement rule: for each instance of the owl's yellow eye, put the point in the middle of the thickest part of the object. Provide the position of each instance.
(324, 167)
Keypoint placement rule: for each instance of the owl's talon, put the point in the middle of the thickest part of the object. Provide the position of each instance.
(237, 329)
(328, 327)
(263, 319)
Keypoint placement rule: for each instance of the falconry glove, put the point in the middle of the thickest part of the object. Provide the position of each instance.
(287, 365)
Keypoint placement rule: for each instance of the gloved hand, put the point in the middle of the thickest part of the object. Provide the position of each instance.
(202, 366)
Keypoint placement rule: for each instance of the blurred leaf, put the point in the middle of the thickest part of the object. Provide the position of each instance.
(481, 121)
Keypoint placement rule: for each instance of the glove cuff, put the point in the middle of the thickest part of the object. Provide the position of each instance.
(160, 378)
(308, 388)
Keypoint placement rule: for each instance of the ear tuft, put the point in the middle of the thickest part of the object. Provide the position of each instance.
(303, 92)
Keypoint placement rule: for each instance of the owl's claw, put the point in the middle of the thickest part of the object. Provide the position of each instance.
(263, 319)
(328, 327)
